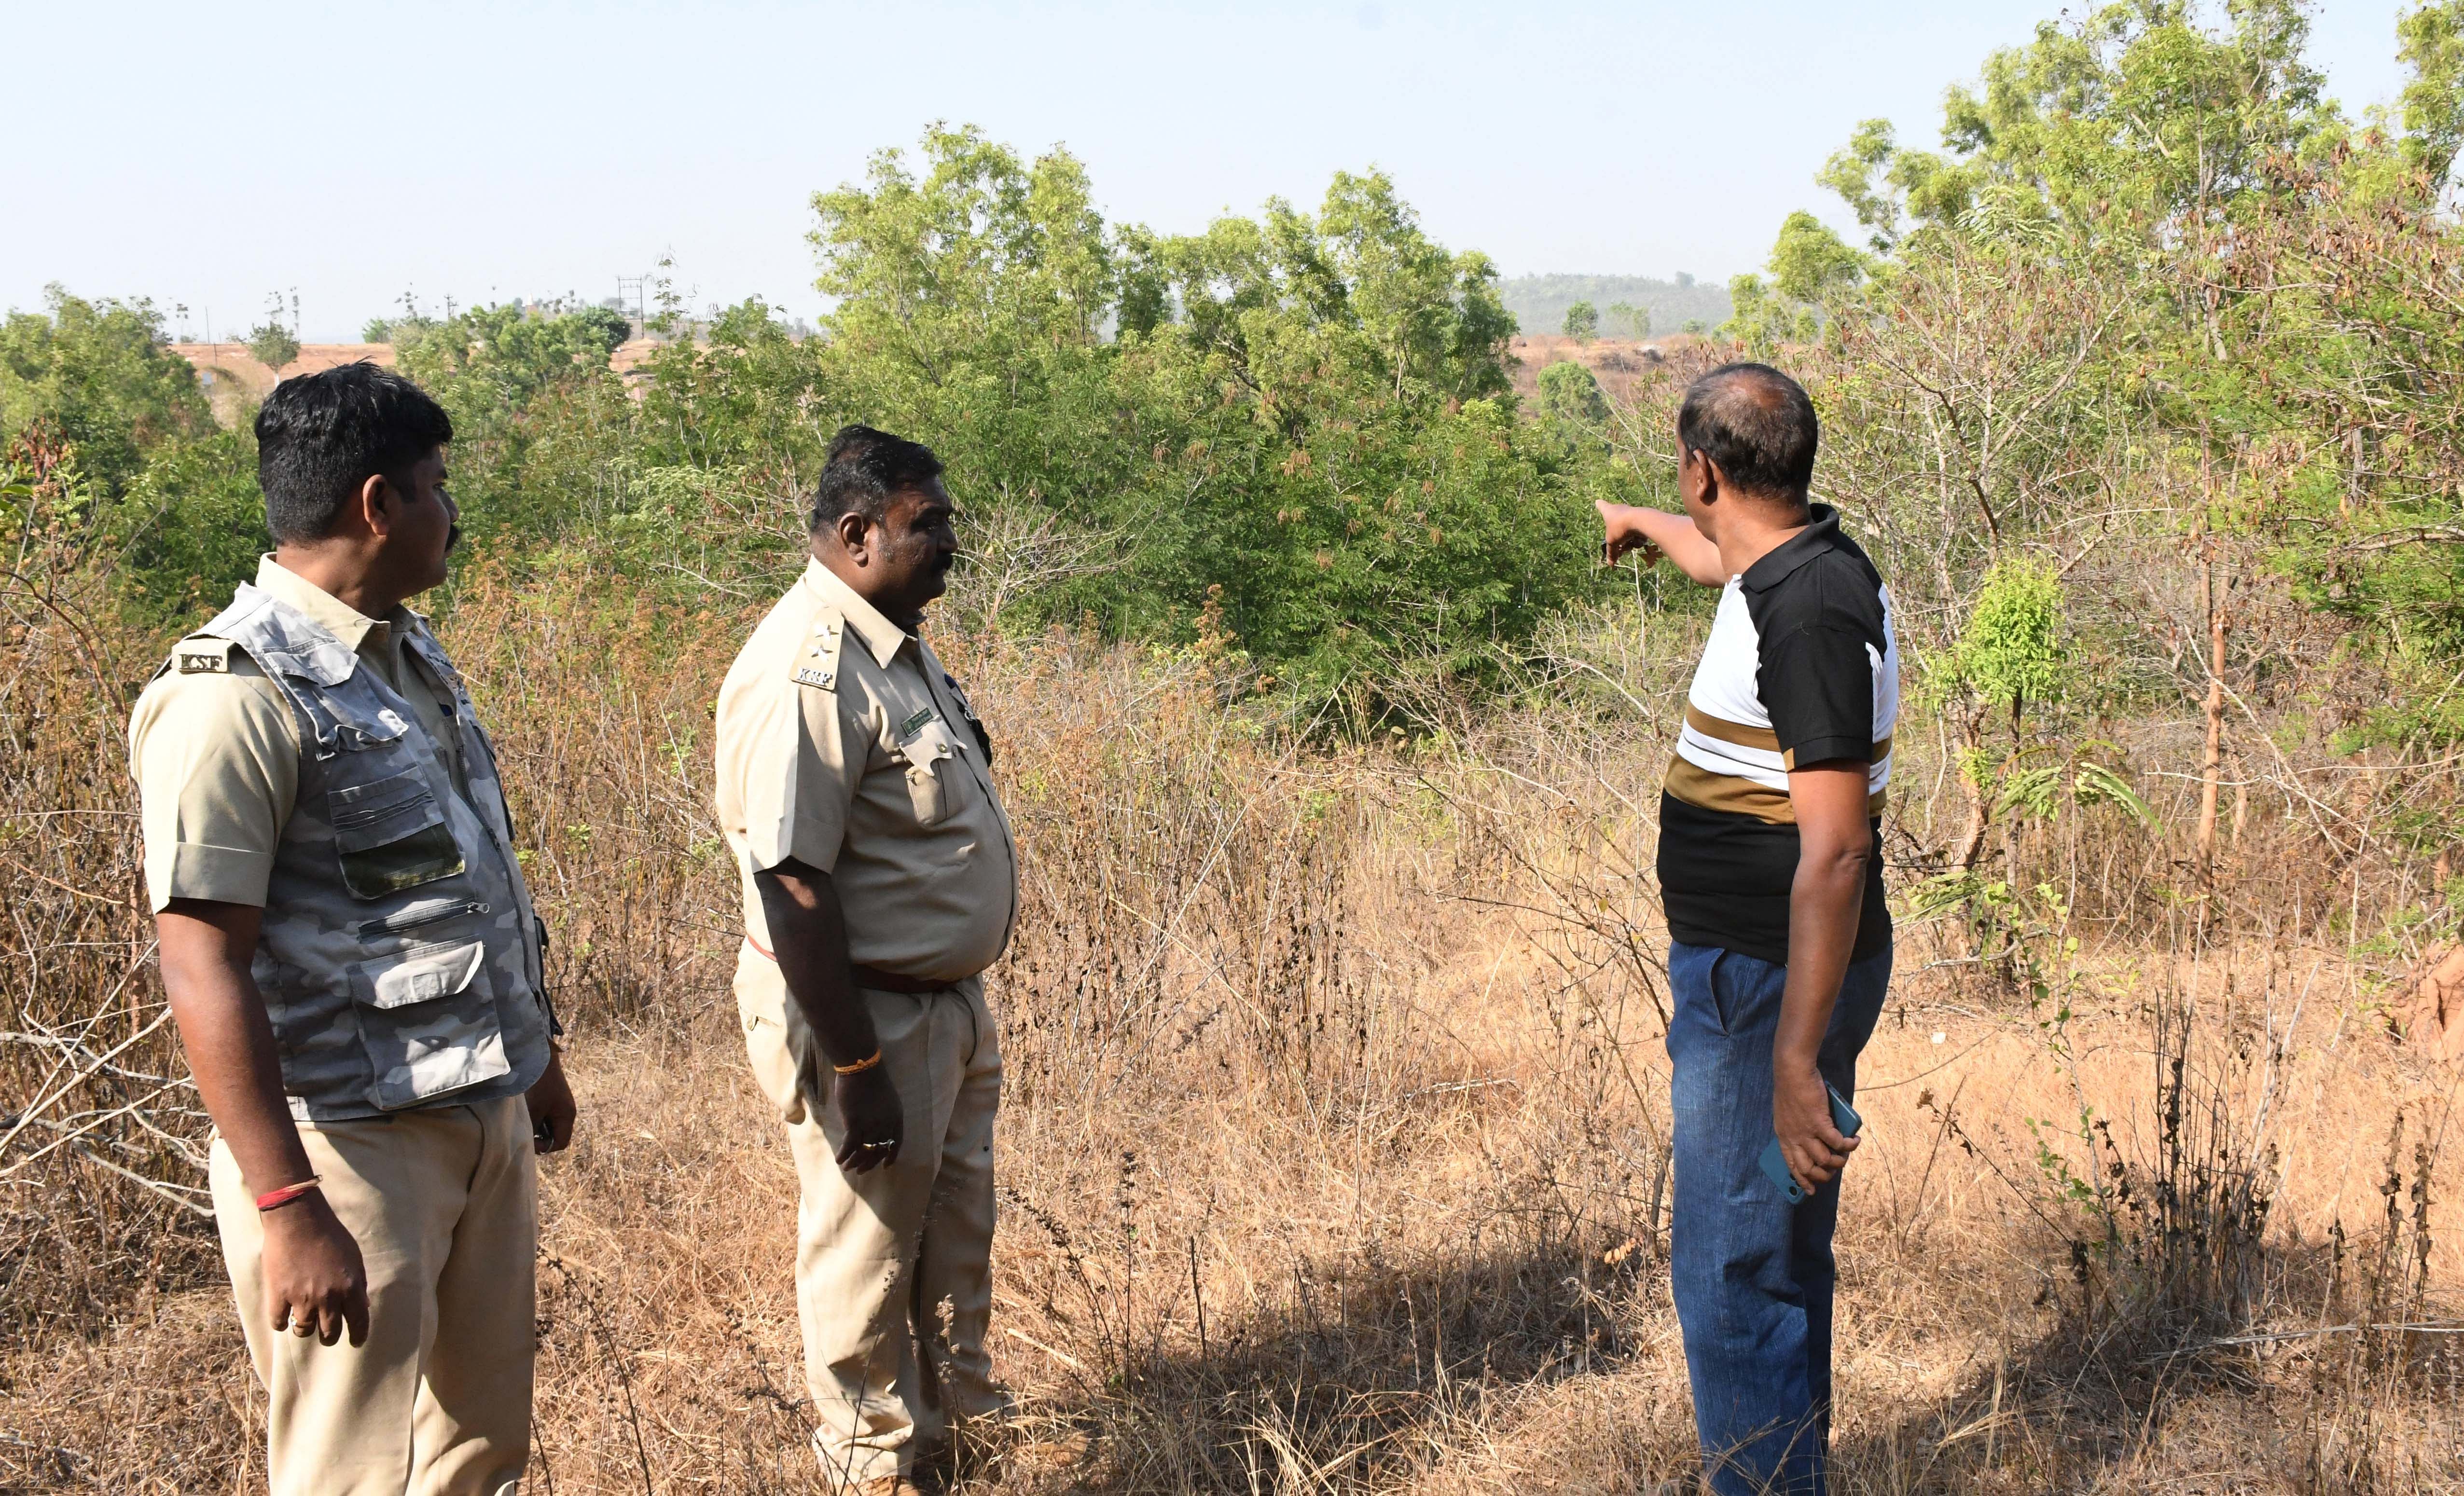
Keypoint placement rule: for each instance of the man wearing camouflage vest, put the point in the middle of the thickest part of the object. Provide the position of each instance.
(855, 789)
(350, 951)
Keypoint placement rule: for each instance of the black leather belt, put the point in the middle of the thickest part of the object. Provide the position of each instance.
(879, 981)
(874, 977)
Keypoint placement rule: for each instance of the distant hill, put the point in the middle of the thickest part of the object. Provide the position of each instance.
(1539, 302)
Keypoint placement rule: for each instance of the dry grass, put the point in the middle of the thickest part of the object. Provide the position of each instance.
(1334, 1150)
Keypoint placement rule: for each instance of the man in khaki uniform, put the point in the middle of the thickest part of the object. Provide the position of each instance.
(855, 789)
(350, 951)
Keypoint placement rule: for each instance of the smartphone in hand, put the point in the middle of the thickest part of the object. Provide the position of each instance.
(1843, 1116)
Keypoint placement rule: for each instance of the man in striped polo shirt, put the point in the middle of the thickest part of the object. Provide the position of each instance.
(1780, 944)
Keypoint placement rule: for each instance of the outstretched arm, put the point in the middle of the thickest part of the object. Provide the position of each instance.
(1655, 532)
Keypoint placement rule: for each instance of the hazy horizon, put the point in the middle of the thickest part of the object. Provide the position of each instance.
(212, 159)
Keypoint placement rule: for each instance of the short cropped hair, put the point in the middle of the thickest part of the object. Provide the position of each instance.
(1758, 425)
(320, 436)
(864, 469)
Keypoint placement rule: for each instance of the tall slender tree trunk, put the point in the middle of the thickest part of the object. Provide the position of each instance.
(2211, 762)
(1971, 839)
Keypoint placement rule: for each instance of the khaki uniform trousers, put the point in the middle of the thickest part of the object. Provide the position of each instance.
(893, 1267)
(443, 1202)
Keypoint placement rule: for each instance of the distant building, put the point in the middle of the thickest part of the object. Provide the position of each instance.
(232, 376)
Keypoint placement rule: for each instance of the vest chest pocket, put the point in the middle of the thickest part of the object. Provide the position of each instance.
(427, 1017)
(391, 835)
(926, 749)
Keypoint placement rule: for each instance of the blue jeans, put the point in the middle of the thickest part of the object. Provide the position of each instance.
(1753, 1274)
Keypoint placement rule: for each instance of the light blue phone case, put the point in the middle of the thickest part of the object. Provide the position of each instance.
(1843, 1116)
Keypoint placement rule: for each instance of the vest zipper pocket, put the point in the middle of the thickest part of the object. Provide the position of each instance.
(419, 914)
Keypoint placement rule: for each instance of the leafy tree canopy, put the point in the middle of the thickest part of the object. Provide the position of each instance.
(271, 345)
(1303, 417)
(99, 373)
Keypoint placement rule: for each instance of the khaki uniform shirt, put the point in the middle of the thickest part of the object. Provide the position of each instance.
(216, 754)
(844, 745)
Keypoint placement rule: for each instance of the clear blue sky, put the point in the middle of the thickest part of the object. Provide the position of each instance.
(208, 154)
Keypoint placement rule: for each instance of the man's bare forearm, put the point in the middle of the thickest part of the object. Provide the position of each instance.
(1835, 852)
(206, 951)
(809, 931)
(1673, 535)
(1824, 905)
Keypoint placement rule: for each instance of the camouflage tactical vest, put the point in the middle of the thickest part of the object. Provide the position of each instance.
(400, 959)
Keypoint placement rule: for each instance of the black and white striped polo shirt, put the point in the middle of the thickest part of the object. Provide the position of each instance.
(1800, 669)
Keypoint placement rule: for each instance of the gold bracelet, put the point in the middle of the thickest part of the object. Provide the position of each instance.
(859, 1066)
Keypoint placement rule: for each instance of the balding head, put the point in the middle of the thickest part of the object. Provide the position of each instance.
(1757, 423)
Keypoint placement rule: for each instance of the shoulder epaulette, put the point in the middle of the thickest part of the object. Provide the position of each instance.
(201, 656)
(818, 664)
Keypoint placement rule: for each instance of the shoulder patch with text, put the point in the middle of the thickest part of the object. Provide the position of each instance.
(203, 656)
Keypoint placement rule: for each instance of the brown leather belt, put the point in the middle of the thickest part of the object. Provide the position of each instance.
(873, 977)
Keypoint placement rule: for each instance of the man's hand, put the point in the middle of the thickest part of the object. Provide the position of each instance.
(315, 1282)
(801, 904)
(875, 1122)
(551, 1110)
(1624, 536)
(1814, 1147)
(1655, 533)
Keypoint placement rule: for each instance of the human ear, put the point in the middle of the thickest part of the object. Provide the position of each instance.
(851, 527)
(375, 502)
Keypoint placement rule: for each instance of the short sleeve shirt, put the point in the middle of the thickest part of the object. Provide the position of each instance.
(215, 751)
(844, 745)
(1801, 667)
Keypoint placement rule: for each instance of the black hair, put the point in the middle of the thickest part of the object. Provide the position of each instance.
(864, 469)
(320, 436)
(1758, 425)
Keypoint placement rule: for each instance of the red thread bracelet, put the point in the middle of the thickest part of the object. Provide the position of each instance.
(276, 1199)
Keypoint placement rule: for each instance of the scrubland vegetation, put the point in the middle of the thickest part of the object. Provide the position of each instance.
(1335, 1150)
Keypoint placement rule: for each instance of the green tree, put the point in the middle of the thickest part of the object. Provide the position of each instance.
(271, 345)
(538, 415)
(1569, 392)
(1582, 321)
(1811, 270)
(1302, 416)
(190, 527)
(612, 328)
(1572, 413)
(101, 372)
(2430, 39)
(2010, 654)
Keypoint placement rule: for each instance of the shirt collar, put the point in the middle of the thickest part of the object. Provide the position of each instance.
(354, 628)
(1783, 558)
(882, 637)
